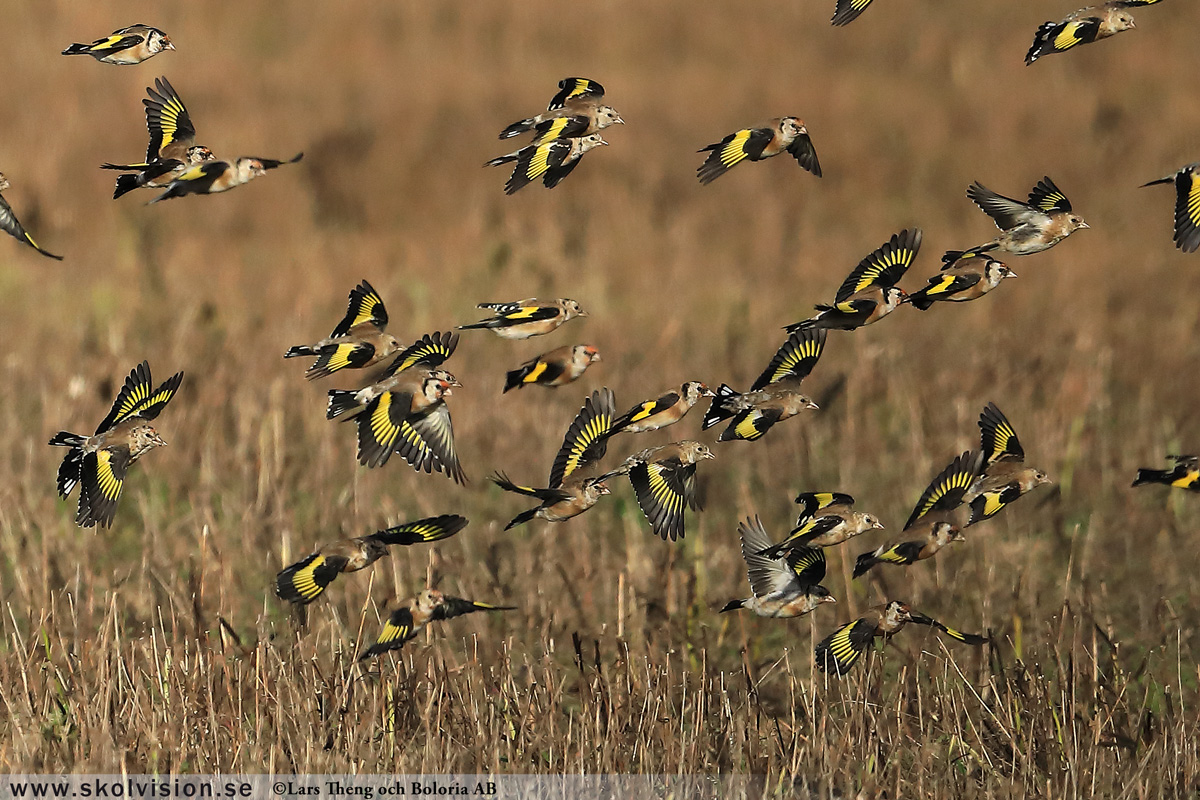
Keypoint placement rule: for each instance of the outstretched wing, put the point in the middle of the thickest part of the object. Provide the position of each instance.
(1004, 211)
(398, 629)
(138, 399)
(305, 581)
(805, 154)
(732, 150)
(587, 437)
(848, 10)
(965, 638)
(840, 650)
(430, 352)
(1047, 198)
(884, 267)
(427, 443)
(365, 306)
(166, 119)
(13, 227)
(767, 575)
(946, 491)
(575, 90)
(812, 502)
(430, 529)
(661, 493)
(101, 479)
(794, 359)
(456, 607)
(997, 438)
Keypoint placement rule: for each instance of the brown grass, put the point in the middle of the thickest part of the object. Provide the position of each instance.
(112, 654)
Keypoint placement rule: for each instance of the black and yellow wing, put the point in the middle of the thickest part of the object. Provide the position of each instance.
(812, 502)
(884, 267)
(537, 162)
(398, 629)
(430, 529)
(751, 424)
(547, 496)
(1048, 198)
(848, 10)
(1187, 209)
(379, 427)
(795, 359)
(451, 607)
(965, 638)
(997, 438)
(101, 478)
(807, 529)
(988, 504)
(643, 411)
(1058, 37)
(426, 442)
(539, 370)
(304, 581)
(587, 437)
(838, 652)
(662, 495)
(509, 314)
(12, 226)
(137, 398)
(167, 120)
(334, 357)
(748, 143)
(365, 306)
(567, 127)
(946, 491)
(113, 43)
(430, 352)
(574, 90)
(808, 564)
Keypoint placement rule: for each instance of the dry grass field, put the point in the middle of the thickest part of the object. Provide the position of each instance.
(158, 645)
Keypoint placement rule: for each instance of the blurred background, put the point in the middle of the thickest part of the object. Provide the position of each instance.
(1091, 352)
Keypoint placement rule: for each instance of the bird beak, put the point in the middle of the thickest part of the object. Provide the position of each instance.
(1045, 479)
(583, 313)
(1011, 274)
(828, 599)
(811, 404)
(158, 440)
(958, 537)
(618, 120)
(710, 454)
(707, 392)
(878, 525)
(170, 46)
(1084, 225)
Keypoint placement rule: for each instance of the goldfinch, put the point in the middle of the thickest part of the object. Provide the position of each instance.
(131, 45)
(869, 292)
(1028, 228)
(575, 111)
(774, 396)
(558, 367)
(1084, 26)
(1006, 478)
(1187, 206)
(550, 160)
(826, 519)
(968, 278)
(360, 340)
(1184, 475)
(780, 135)
(13, 227)
(664, 481)
(405, 410)
(525, 318)
(98, 463)
(560, 504)
(782, 588)
(172, 148)
(569, 492)
(838, 652)
(666, 410)
(213, 177)
(931, 525)
(305, 581)
(407, 414)
(406, 621)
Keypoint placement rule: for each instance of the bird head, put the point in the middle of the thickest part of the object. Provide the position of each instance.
(159, 40)
(695, 451)
(142, 439)
(821, 594)
(872, 521)
(198, 154)
(808, 403)
(896, 613)
(374, 549)
(791, 127)
(1076, 223)
(587, 353)
(1123, 21)
(607, 115)
(1040, 478)
(572, 308)
(429, 599)
(694, 390)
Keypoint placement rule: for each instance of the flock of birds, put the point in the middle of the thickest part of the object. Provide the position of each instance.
(401, 407)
